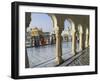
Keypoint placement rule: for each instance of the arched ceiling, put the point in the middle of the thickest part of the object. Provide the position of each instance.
(77, 19)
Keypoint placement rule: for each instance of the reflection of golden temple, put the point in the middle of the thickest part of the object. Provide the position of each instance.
(36, 32)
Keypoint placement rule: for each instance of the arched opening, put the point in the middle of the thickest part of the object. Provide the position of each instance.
(42, 45)
(68, 43)
(66, 36)
(73, 35)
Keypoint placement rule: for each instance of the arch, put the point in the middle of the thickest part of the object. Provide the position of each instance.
(57, 33)
(45, 21)
(54, 20)
(72, 25)
(66, 32)
(73, 35)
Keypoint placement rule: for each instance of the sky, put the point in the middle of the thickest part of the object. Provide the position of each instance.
(42, 20)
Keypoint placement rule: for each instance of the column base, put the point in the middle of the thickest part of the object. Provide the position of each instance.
(59, 60)
(80, 49)
(74, 52)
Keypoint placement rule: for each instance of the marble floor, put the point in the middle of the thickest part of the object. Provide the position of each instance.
(44, 56)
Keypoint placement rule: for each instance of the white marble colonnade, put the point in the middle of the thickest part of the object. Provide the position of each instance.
(58, 30)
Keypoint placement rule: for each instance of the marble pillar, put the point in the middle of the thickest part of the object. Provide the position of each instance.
(73, 42)
(58, 45)
(73, 39)
(80, 39)
(87, 39)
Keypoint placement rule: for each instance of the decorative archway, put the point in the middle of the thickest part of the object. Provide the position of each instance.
(72, 30)
(73, 33)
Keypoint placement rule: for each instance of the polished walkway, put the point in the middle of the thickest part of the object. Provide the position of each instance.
(44, 56)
